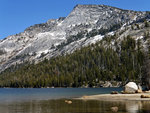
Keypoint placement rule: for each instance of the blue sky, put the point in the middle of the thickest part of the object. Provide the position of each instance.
(16, 15)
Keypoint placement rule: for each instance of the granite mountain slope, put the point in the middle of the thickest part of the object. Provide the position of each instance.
(85, 25)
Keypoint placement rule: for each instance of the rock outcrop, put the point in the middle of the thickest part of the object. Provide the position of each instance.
(131, 87)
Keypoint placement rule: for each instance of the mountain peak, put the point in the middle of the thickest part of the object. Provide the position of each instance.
(65, 34)
(89, 5)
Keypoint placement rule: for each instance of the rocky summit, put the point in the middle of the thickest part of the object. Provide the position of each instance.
(85, 25)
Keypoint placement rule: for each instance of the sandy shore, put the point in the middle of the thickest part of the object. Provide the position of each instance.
(116, 97)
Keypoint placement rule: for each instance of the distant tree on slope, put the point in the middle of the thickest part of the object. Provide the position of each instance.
(146, 74)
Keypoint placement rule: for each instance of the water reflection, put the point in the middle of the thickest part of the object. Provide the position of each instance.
(133, 106)
(59, 106)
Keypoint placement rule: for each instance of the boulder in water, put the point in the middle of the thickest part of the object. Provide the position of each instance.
(131, 87)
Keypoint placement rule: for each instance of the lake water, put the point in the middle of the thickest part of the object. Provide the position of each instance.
(52, 100)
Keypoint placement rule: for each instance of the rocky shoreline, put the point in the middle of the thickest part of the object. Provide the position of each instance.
(131, 92)
(116, 97)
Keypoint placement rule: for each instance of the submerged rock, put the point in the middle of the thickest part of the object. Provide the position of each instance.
(131, 87)
(68, 101)
(114, 92)
(114, 109)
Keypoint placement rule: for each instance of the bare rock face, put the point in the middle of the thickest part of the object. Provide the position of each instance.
(65, 35)
(131, 87)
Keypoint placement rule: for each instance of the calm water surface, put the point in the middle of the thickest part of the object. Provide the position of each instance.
(53, 101)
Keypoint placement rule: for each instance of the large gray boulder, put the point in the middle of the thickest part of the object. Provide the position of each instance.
(131, 87)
